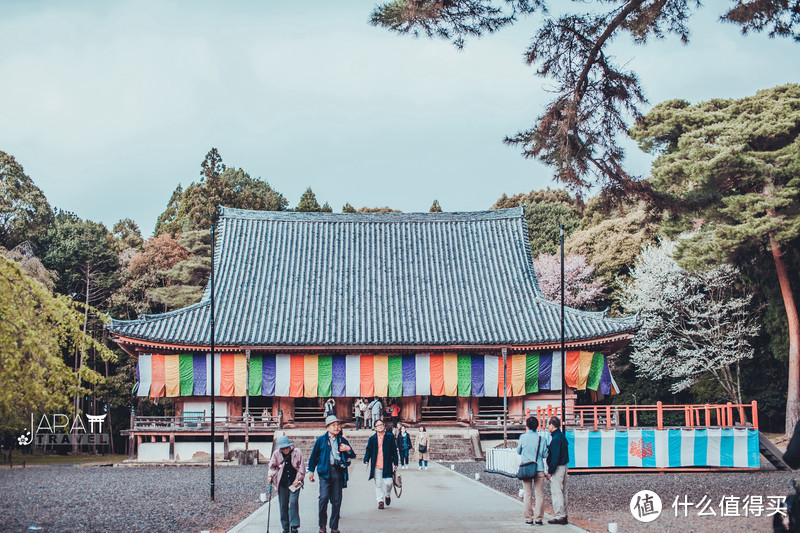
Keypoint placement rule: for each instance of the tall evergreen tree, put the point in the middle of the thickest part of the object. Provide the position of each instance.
(308, 202)
(732, 167)
(578, 133)
(25, 213)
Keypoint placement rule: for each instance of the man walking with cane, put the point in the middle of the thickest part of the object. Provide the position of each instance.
(329, 458)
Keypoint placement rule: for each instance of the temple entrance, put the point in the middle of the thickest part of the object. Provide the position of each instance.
(260, 408)
(438, 409)
(309, 410)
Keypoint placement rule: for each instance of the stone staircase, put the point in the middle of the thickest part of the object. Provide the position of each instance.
(446, 444)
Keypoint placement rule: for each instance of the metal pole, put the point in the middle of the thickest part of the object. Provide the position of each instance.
(213, 420)
(247, 405)
(505, 398)
(563, 349)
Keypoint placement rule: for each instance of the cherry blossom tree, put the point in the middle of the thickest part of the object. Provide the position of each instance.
(693, 322)
(581, 290)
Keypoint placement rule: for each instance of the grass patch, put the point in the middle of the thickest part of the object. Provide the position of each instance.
(39, 458)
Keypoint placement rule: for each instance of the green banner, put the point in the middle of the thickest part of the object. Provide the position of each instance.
(532, 373)
(464, 375)
(324, 375)
(256, 363)
(186, 372)
(395, 376)
(595, 371)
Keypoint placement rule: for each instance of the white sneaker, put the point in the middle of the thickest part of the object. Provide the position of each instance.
(426, 468)
(420, 468)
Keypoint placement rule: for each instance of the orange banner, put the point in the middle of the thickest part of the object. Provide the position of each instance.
(509, 375)
(227, 372)
(158, 384)
(296, 372)
(571, 372)
(367, 376)
(437, 374)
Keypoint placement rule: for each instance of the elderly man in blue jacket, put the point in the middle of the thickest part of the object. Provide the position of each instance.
(329, 458)
(381, 455)
(557, 459)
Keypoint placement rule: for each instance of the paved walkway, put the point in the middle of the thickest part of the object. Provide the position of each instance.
(436, 499)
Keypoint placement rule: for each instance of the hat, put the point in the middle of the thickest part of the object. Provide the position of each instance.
(330, 419)
(284, 442)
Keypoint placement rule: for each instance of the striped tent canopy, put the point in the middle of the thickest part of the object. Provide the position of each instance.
(435, 374)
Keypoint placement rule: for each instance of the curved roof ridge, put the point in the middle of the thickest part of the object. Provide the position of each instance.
(298, 216)
(602, 315)
(143, 318)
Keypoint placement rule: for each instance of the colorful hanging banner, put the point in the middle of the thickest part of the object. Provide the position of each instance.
(158, 385)
(450, 374)
(310, 376)
(186, 371)
(390, 376)
(381, 375)
(256, 382)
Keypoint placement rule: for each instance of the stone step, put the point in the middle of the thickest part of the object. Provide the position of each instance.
(445, 445)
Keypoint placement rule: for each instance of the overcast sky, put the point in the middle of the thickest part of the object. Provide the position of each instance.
(109, 105)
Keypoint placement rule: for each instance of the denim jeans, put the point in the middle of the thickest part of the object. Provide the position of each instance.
(289, 503)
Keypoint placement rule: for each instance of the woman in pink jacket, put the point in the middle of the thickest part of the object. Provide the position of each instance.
(287, 469)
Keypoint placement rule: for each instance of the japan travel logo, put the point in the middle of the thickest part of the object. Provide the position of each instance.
(56, 429)
(645, 506)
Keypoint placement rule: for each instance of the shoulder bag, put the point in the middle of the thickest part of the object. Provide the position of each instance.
(528, 470)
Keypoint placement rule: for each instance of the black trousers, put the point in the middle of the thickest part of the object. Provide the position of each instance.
(330, 490)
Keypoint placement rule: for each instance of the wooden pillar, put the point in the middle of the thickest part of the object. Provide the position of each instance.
(344, 408)
(138, 443)
(285, 404)
(409, 409)
(225, 446)
(172, 446)
(516, 409)
(476, 405)
(131, 438)
(462, 408)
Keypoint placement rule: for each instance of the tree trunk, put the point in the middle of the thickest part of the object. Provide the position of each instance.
(80, 358)
(793, 392)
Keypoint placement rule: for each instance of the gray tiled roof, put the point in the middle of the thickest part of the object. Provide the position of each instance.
(325, 279)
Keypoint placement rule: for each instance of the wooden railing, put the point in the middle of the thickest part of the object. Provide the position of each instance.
(658, 415)
(201, 423)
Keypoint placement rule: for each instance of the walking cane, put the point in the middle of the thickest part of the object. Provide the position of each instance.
(269, 505)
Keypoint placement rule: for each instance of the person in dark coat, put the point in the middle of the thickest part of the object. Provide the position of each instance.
(557, 459)
(792, 455)
(381, 455)
(329, 458)
(403, 445)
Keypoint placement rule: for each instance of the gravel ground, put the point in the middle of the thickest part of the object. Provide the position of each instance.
(58, 498)
(159, 498)
(595, 500)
